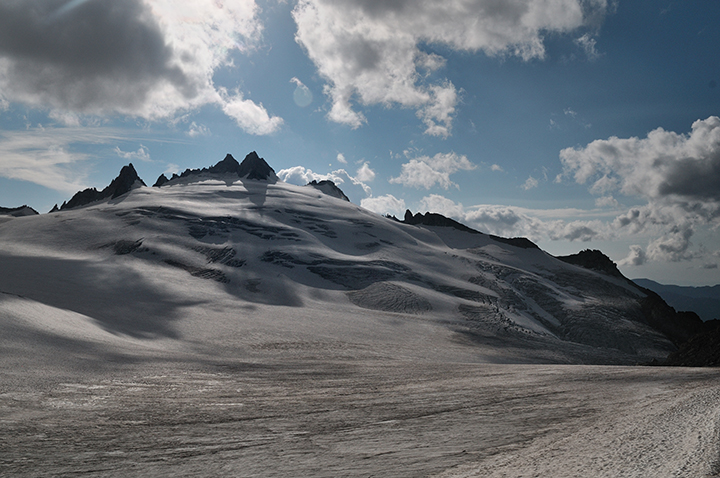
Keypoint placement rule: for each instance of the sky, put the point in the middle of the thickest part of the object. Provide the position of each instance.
(580, 124)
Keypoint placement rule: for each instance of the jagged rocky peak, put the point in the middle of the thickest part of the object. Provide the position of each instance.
(127, 180)
(593, 260)
(24, 210)
(162, 179)
(253, 167)
(330, 188)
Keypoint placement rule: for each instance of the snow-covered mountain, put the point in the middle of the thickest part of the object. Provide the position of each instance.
(229, 259)
(18, 211)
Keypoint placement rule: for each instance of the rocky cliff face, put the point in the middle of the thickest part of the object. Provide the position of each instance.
(677, 326)
(18, 211)
(252, 167)
(123, 183)
(329, 188)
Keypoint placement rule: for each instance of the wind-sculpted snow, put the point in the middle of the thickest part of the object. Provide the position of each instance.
(390, 298)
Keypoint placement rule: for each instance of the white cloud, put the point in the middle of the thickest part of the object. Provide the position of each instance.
(530, 183)
(196, 130)
(676, 175)
(437, 115)
(673, 246)
(441, 205)
(369, 51)
(387, 204)
(341, 158)
(65, 118)
(354, 188)
(250, 116)
(142, 154)
(364, 173)
(607, 201)
(144, 58)
(515, 221)
(497, 168)
(637, 257)
(663, 165)
(426, 172)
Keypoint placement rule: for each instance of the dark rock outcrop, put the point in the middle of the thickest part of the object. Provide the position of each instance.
(701, 350)
(676, 326)
(253, 167)
(162, 179)
(126, 180)
(679, 327)
(434, 219)
(593, 260)
(24, 210)
(329, 188)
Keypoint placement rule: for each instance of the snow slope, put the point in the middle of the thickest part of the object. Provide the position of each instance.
(221, 326)
(200, 260)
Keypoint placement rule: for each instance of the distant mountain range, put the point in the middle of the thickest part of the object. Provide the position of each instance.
(229, 258)
(704, 301)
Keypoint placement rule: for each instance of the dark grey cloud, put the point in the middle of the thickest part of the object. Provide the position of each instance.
(99, 55)
(146, 58)
(697, 178)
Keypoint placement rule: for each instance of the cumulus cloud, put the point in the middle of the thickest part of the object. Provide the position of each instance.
(607, 201)
(673, 246)
(515, 221)
(250, 116)
(387, 204)
(353, 187)
(341, 158)
(426, 172)
(369, 51)
(637, 257)
(676, 175)
(441, 205)
(665, 164)
(143, 58)
(364, 173)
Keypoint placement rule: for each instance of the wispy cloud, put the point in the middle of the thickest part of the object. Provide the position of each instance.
(48, 156)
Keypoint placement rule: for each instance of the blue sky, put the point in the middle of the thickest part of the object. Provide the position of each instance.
(577, 123)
